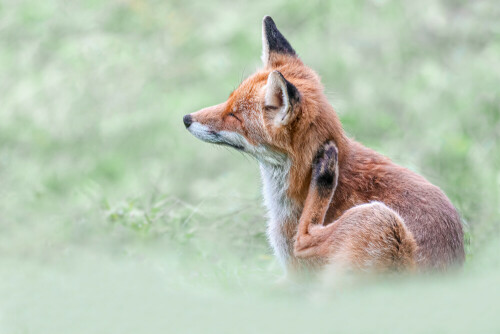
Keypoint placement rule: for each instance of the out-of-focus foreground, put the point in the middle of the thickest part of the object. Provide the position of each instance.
(114, 219)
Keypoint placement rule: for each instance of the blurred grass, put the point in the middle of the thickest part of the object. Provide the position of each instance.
(115, 219)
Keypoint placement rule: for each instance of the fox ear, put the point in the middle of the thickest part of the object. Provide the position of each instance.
(281, 97)
(273, 41)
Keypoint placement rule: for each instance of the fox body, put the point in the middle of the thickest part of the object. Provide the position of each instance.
(329, 198)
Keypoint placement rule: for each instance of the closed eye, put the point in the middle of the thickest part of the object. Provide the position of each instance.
(233, 115)
(270, 107)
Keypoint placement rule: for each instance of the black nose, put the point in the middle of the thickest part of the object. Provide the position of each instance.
(187, 120)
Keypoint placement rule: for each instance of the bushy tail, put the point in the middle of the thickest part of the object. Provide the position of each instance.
(403, 247)
(373, 237)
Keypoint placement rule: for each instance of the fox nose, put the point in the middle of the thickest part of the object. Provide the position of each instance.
(187, 120)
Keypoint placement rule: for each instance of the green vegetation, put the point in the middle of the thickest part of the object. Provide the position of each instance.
(114, 219)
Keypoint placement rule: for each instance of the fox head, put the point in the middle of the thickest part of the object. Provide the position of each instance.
(278, 114)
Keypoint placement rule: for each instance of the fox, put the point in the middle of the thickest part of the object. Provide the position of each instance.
(330, 200)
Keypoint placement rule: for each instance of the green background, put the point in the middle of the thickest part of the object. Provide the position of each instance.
(114, 219)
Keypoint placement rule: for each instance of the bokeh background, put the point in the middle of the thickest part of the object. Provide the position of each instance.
(114, 219)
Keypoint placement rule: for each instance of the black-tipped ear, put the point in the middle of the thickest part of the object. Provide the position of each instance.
(273, 41)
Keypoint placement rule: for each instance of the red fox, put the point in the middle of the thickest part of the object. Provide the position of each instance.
(329, 198)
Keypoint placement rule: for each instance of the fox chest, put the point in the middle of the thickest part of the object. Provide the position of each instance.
(283, 213)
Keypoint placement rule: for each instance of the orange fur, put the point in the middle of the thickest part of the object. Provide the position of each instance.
(418, 213)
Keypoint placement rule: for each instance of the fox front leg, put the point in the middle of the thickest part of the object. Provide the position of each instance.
(323, 183)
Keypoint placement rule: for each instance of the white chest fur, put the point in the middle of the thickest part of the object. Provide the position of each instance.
(281, 210)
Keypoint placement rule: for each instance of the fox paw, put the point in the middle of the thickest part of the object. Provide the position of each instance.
(325, 166)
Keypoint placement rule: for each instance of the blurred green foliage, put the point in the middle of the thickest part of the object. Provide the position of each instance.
(115, 219)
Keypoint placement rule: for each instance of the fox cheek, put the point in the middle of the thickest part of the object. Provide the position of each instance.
(232, 123)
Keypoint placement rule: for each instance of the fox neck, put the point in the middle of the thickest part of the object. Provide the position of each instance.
(283, 212)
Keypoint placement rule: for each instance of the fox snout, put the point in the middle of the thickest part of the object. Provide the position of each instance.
(211, 134)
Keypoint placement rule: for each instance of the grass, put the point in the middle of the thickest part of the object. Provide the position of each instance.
(115, 219)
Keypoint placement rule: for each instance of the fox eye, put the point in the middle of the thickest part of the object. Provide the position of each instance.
(233, 115)
(266, 107)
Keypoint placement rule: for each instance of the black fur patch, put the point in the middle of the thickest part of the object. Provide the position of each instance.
(325, 180)
(292, 91)
(275, 40)
(324, 168)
